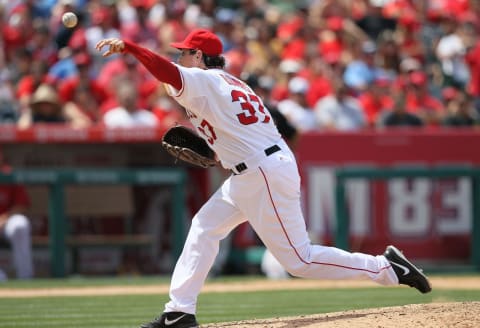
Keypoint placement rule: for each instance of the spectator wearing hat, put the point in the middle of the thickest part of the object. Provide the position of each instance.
(399, 116)
(376, 100)
(459, 107)
(295, 108)
(408, 65)
(27, 85)
(339, 110)
(362, 71)
(46, 108)
(420, 102)
(83, 91)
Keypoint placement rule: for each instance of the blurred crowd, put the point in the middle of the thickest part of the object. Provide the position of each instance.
(324, 64)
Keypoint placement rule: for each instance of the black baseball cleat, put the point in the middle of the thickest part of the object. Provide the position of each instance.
(173, 320)
(407, 273)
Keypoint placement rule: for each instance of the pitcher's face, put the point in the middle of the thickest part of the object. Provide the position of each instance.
(190, 58)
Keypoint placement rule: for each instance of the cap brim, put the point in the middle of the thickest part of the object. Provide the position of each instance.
(179, 45)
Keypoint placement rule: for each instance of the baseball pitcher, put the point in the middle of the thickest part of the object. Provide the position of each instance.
(264, 187)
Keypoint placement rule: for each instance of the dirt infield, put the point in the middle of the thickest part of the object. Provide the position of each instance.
(438, 314)
(434, 315)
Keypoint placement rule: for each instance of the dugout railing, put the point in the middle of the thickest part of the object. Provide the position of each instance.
(383, 173)
(57, 179)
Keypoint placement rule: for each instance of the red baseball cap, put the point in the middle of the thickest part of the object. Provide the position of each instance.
(418, 78)
(203, 40)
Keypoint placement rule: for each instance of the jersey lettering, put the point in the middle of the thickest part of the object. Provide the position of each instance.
(261, 109)
(190, 114)
(207, 130)
(249, 114)
(232, 81)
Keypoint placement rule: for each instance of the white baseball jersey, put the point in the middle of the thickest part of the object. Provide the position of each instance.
(234, 122)
(226, 113)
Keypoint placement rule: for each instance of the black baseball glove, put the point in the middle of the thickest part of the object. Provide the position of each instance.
(184, 144)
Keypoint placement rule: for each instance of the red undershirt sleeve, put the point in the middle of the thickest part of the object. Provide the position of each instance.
(158, 66)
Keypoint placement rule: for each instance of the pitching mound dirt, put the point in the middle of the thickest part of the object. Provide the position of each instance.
(434, 315)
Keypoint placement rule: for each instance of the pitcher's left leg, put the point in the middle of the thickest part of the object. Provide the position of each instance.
(281, 226)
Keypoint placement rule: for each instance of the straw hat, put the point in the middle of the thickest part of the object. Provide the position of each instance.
(45, 94)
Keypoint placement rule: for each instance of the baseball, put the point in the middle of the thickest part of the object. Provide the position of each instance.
(69, 19)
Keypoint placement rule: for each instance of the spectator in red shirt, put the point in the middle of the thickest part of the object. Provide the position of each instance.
(17, 29)
(83, 91)
(117, 70)
(376, 100)
(15, 226)
(473, 87)
(291, 34)
(29, 83)
(420, 102)
(318, 74)
(332, 39)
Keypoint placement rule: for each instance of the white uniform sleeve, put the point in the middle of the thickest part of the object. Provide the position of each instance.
(195, 85)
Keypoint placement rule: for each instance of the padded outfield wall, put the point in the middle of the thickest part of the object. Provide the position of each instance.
(429, 218)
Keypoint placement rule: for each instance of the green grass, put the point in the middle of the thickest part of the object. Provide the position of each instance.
(79, 281)
(87, 281)
(124, 311)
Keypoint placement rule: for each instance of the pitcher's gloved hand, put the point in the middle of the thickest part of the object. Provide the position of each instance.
(184, 144)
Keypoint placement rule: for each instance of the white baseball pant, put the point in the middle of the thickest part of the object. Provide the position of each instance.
(18, 232)
(269, 197)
